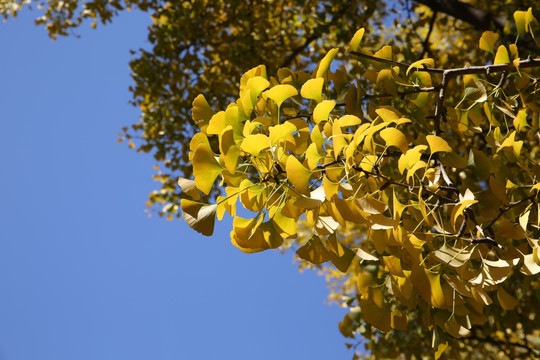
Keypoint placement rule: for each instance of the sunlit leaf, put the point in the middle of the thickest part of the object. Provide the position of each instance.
(394, 137)
(205, 168)
(298, 175)
(502, 56)
(437, 144)
(355, 42)
(420, 64)
(487, 41)
(322, 110)
(324, 64)
(312, 89)
(202, 112)
(280, 93)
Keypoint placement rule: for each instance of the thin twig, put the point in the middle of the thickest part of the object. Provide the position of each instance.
(425, 45)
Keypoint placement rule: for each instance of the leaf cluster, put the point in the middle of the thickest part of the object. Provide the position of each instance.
(435, 170)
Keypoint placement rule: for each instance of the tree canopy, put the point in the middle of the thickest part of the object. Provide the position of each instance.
(399, 158)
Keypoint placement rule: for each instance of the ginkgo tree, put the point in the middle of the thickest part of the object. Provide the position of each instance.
(418, 183)
(403, 167)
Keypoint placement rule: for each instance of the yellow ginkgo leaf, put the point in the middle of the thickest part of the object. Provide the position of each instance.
(281, 132)
(384, 53)
(189, 188)
(202, 112)
(410, 158)
(205, 168)
(394, 137)
(487, 41)
(298, 175)
(386, 82)
(355, 42)
(313, 156)
(399, 320)
(254, 144)
(523, 20)
(229, 151)
(286, 226)
(388, 114)
(364, 281)
(256, 85)
(440, 349)
(428, 286)
(502, 56)
(312, 89)
(458, 210)
(324, 65)
(349, 120)
(420, 64)
(507, 301)
(437, 144)
(217, 124)
(322, 110)
(199, 216)
(280, 93)
(314, 251)
(378, 316)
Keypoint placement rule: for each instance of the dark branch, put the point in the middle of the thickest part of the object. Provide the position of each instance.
(425, 45)
(480, 19)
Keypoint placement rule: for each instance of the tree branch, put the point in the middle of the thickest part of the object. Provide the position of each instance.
(425, 45)
(478, 18)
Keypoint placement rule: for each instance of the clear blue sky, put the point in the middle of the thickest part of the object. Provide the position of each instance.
(84, 273)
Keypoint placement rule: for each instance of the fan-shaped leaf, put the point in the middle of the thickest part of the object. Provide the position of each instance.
(487, 41)
(298, 175)
(437, 144)
(394, 137)
(312, 89)
(205, 168)
(280, 93)
(199, 216)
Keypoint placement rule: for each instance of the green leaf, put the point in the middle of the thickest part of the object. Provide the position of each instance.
(312, 89)
(199, 216)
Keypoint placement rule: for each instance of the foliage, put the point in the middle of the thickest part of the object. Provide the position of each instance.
(420, 184)
(415, 187)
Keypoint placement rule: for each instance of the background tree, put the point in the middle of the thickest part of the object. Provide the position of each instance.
(204, 46)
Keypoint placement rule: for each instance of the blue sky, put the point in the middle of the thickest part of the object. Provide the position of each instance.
(84, 273)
